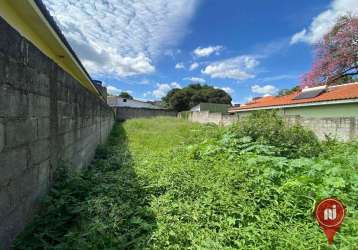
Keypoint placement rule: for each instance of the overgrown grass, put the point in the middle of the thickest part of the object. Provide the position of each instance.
(165, 183)
(106, 207)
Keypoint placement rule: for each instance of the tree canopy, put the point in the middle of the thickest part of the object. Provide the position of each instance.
(336, 55)
(193, 94)
(283, 92)
(125, 95)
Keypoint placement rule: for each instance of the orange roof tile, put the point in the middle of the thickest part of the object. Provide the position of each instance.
(333, 93)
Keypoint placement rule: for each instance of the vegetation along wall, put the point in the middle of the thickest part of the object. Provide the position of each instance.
(338, 121)
(46, 117)
(343, 128)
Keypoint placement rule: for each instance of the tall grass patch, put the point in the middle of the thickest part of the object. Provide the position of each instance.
(165, 183)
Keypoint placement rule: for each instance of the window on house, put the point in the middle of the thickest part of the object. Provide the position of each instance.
(124, 100)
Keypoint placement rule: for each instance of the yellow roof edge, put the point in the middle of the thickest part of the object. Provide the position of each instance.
(26, 17)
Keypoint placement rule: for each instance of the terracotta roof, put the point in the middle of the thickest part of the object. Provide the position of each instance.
(333, 93)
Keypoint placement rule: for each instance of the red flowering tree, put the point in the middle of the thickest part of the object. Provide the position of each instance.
(336, 55)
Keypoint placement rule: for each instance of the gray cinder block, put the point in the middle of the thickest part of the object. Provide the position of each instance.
(46, 117)
(2, 137)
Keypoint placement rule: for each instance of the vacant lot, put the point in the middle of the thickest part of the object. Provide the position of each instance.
(168, 184)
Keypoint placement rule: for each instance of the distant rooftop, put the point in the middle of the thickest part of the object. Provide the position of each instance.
(316, 95)
(116, 101)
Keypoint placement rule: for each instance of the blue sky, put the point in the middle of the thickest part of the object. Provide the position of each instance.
(248, 48)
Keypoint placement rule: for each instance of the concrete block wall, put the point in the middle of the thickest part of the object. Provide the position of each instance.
(46, 117)
(125, 113)
(340, 128)
(207, 117)
(228, 119)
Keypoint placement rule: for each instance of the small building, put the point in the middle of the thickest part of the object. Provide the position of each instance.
(211, 107)
(316, 102)
(116, 101)
(126, 108)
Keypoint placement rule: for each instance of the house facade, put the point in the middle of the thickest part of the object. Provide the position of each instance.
(328, 111)
(317, 102)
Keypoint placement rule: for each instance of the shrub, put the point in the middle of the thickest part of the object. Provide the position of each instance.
(268, 127)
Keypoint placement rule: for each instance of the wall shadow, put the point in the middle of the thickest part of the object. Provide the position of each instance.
(105, 207)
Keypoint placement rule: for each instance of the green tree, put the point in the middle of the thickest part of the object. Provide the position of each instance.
(283, 92)
(165, 99)
(125, 95)
(193, 94)
(180, 101)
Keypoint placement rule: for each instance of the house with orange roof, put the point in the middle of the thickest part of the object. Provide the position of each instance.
(314, 102)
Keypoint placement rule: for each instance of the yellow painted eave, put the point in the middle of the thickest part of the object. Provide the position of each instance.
(27, 19)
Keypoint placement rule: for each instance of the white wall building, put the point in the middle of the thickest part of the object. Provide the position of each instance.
(116, 101)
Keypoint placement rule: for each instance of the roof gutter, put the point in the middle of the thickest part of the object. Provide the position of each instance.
(297, 105)
(31, 19)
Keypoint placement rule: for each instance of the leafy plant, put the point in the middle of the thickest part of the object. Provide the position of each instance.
(268, 127)
(165, 183)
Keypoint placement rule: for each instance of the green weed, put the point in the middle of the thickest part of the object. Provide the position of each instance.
(165, 183)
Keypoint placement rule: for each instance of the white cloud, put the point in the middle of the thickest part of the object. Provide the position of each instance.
(239, 68)
(195, 79)
(194, 66)
(264, 90)
(179, 66)
(112, 90)
(205, 52)
(226, 89)
(324, 22)
(162, 89)
(122, 38)
(300, 37)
